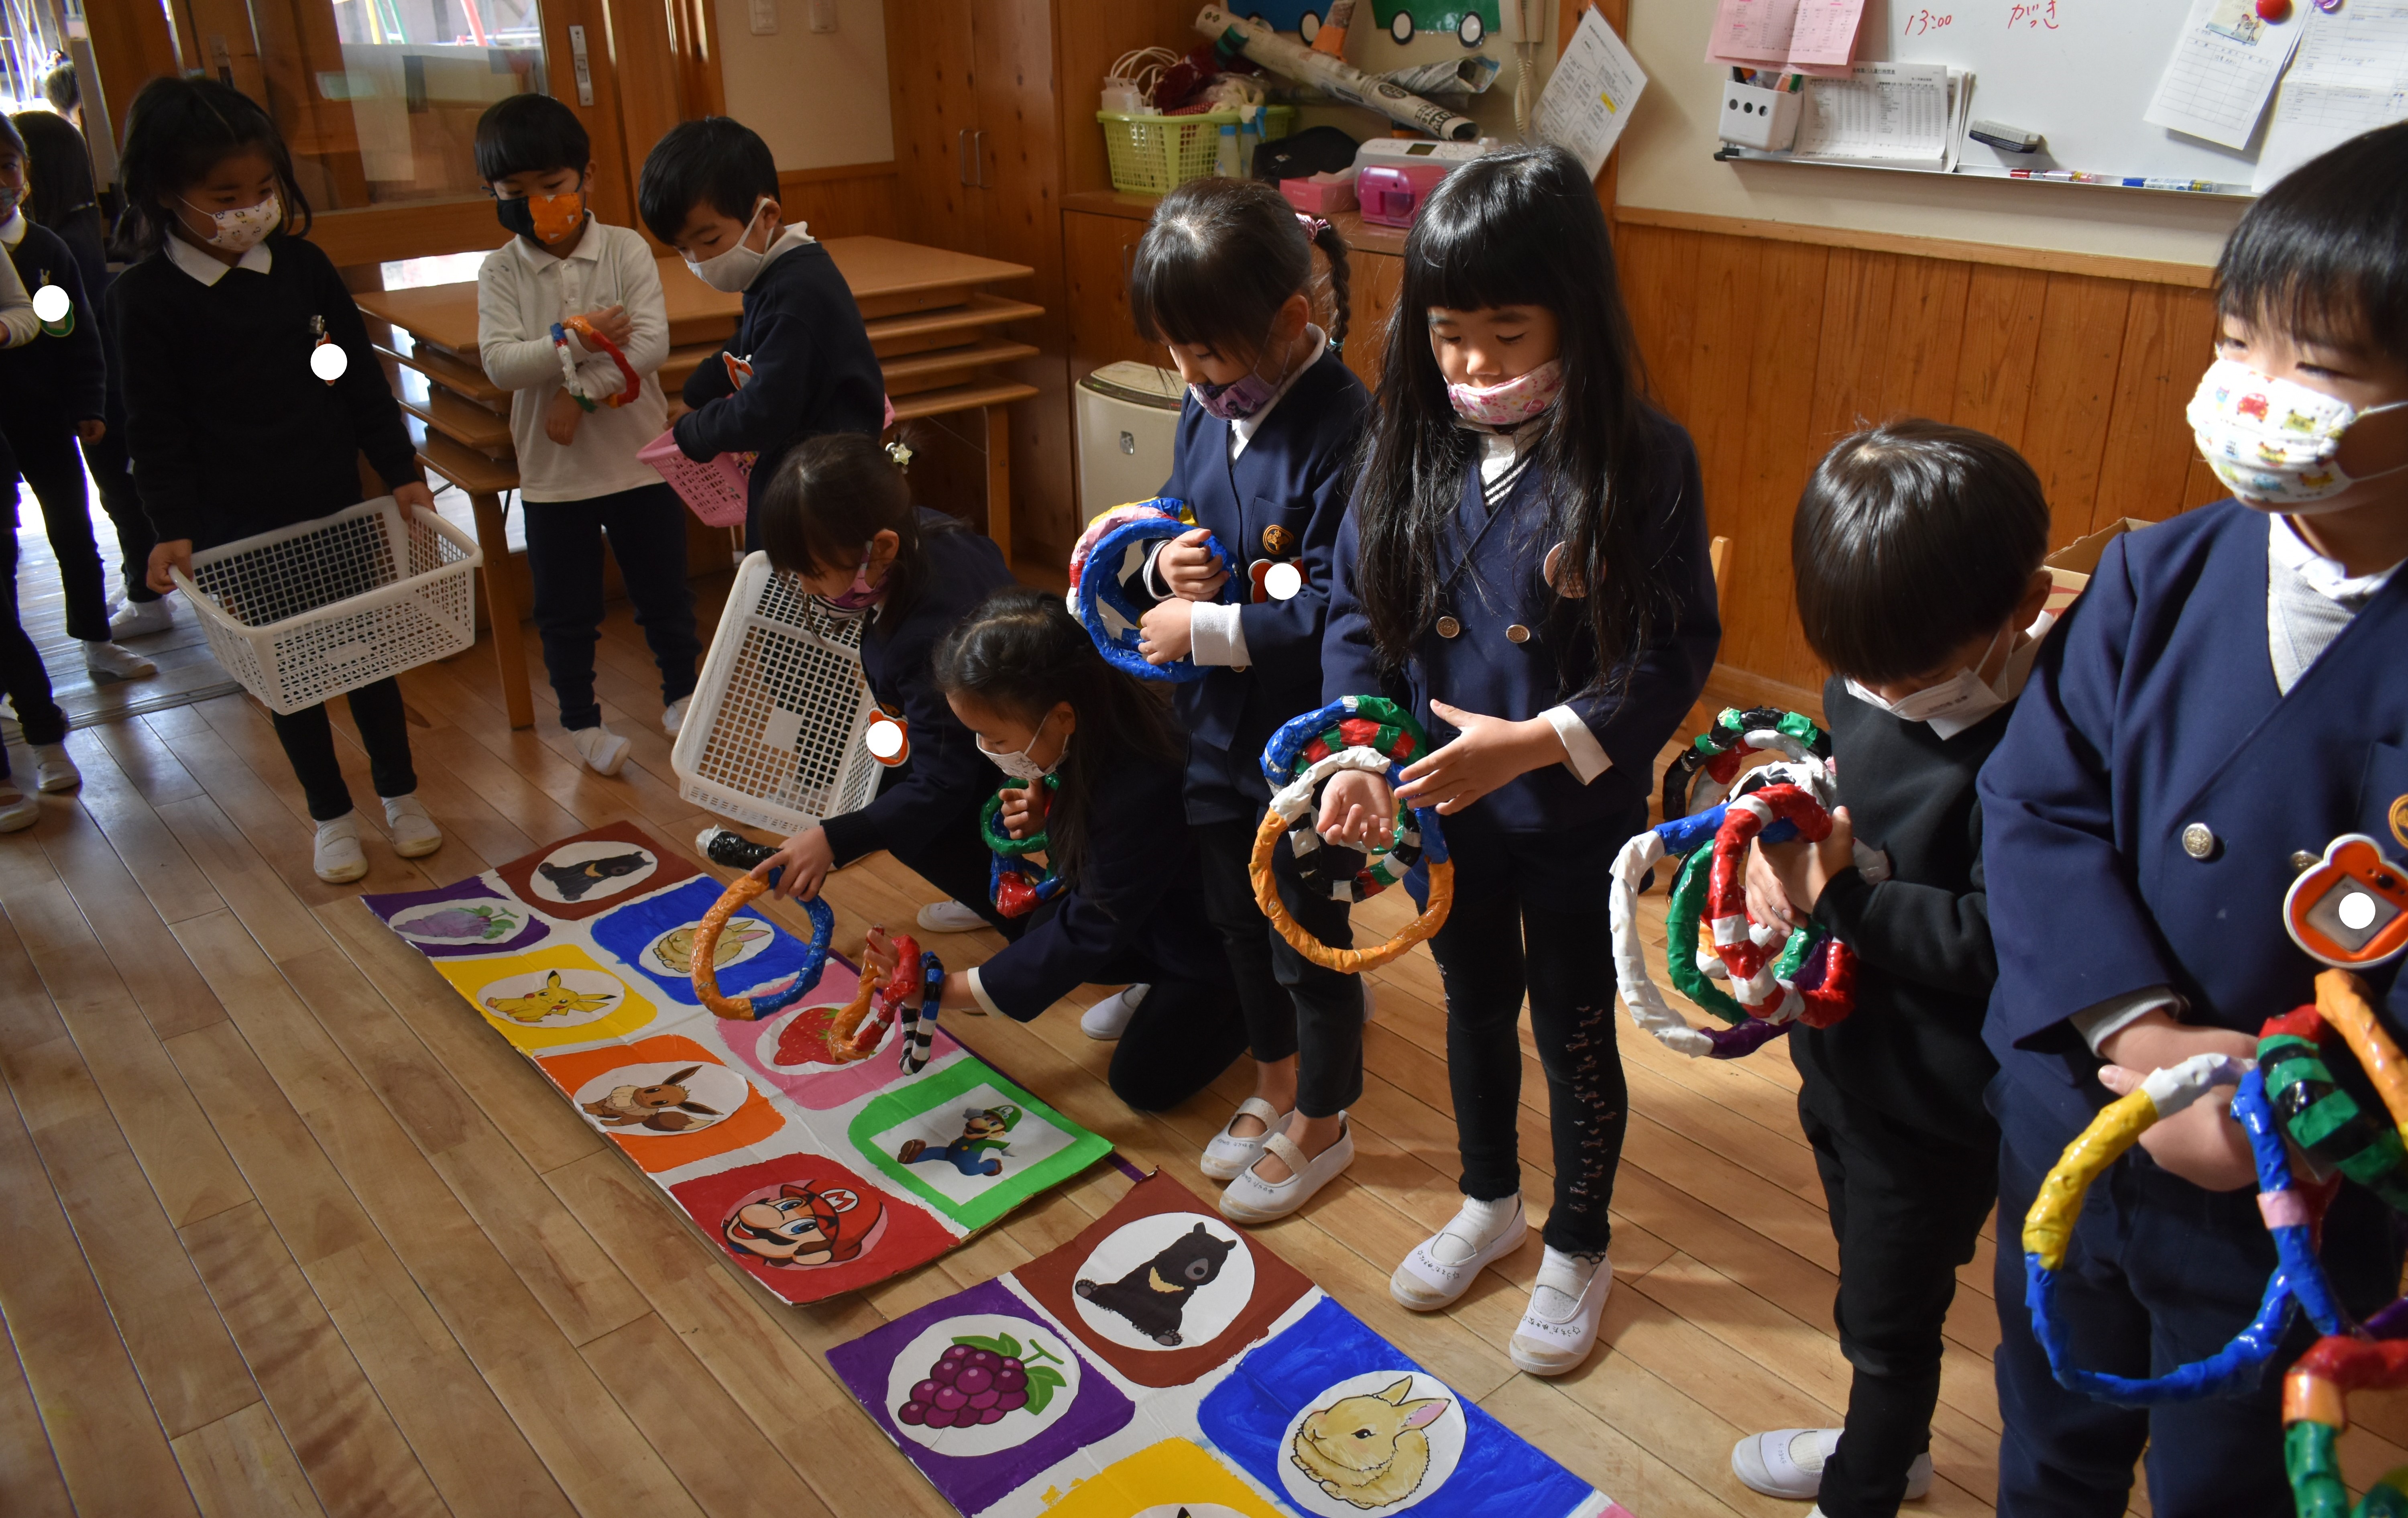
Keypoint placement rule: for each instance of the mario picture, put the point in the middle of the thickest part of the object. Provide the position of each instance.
(809, 1228)
(804, 1224)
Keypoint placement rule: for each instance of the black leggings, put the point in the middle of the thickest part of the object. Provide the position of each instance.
(22, 678)
(45, 454)
(646, 530)
(1508, 930)
(1291, 1005)
(112, 476)
(308, 739)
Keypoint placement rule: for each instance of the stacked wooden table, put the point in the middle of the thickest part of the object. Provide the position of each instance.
(932, 320)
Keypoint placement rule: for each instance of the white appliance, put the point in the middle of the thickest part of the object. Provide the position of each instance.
(1128, 424)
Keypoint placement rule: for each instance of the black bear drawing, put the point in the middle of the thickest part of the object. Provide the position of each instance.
(1154, 1295)
(573, 881)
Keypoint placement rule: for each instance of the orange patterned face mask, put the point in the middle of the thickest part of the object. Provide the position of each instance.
(547, 219)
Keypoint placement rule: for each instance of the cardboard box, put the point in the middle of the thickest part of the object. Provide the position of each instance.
(2072, 565)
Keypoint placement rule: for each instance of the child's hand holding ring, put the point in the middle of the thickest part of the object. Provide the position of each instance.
(613, 322)
(1357, 809)
(1022, 815)
(1190, 568)
(1167, 632)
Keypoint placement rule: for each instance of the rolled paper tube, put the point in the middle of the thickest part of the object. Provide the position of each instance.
(848, 1022)
(2292, 1212)
(2048, 1228)
(2342, 1002)
(2313, 1464)
(1294, 61)
(753, 1008)
(890, 995)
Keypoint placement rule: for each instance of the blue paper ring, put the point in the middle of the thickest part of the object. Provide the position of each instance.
(815, 958)
(1095, 578)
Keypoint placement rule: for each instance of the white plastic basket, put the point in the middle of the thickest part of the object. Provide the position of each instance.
(774, 736)
(307, 612)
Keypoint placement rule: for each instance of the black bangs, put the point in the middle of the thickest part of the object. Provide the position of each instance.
(1219, 260)
(529, 134)
(176, 132)
(2323, 256)
(1500, 232)
(715, 161)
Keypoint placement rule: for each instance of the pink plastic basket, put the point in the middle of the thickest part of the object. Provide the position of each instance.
(713, 490)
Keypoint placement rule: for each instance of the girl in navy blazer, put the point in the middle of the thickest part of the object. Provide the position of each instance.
(1267, 440)
(837, 514)
(1526, 563)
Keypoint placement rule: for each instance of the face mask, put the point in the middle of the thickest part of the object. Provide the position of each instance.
(8, 199)
(1019, 765)
(731, 272)
(547, 219)
(1952, 705)
(2275, 442)
(238, 231)
(1239, 398)
(1512, 403)
(860, 593)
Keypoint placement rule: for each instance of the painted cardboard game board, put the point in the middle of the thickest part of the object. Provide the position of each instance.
(1163, 1363)
(816, 1178)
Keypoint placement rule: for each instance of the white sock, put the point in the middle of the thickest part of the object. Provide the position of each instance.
(1562, 1281)
(1474, 1228)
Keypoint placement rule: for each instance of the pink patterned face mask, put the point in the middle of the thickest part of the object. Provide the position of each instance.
(1512, 403)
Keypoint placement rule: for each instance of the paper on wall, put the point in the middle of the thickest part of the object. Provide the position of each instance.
(1799, 36)
(1588, 97)
(2225, 64)
(1882, 113)
(2351, 76)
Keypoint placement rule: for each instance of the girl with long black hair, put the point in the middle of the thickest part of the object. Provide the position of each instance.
(1526, 564)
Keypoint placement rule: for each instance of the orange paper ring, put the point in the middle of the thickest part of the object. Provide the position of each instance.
(2342, 1001)
(1345, 961)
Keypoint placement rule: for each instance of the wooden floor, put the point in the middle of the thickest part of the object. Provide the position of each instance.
(289, 1230)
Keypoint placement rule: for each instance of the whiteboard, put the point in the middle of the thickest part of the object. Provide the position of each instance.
(2080, 72)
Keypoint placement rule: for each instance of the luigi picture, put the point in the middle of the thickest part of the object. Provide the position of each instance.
(979, 1149)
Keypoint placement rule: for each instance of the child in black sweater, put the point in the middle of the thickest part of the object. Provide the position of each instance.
(232, 431)
(800, 363)
(1918, 550)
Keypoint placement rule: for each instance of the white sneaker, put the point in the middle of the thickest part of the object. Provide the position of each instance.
(106, 661)
(1567, 1301)
(53, 770)
(1440, 1268)
(673, 715)
(1788, 1462)
(1250, 1198)
(602, 750)
(414, 832)
(1227, 1157)
(19, 809)
(949, 917)
(141, 619)
(338, 860)
(1108, 1018)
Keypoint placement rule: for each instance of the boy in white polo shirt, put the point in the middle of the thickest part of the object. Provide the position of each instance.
(569, 315)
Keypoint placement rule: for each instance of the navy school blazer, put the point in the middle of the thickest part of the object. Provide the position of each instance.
(1135, 913)
(55, 382)
(1499, 586)
(2154, 707)
(945, 775)
(1280, 501)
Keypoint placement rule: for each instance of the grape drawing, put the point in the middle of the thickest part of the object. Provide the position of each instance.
(979, 1380)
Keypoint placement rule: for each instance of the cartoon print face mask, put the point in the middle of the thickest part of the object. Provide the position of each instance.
(240, 230)
(547, 219)
(2274, 443)
(1510, 403)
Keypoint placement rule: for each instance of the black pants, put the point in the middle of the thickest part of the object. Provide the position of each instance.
(22, 678)
(46, 456)
(1907, 1208)
(2159, 1273)
(1291, 1005)
(647, 531)
(1513, 926)
(308, 739)
(112, 476)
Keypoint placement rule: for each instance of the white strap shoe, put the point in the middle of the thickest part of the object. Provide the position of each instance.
(414, 832)
(1566, 1303)
(1440, 1268)
(1250, 1198)
(1788, 1462)
(1108, 1018)
(54, 769)
(603, 750)
(19, 809)
(1228, 1156)
(949, 917)
(673, 715)
(336, 858)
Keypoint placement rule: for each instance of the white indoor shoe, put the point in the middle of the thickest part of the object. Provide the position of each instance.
(673, 715)
(19, 809)
(414, 832)
(53, 770)
(1227, 1157)
(1788, 1462)
(141, 619)
(338, 860)
(1440, 1268)
(1108, 1018)
(106, 661)
(1566, 1302)
(1250, 1198)
(949, 917)
(602, 750)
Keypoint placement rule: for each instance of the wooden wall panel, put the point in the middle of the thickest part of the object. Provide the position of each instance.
(855, 200)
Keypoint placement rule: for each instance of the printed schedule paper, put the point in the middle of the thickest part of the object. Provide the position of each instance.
(2351, 76)
(1588, 97)
(2225, 64)
(1802, 35)
(1882, 113)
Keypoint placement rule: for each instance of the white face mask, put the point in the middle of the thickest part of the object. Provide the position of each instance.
(2275, 442)
(731, 272)
(1953, 705)
(1019, 765)
(238, 231)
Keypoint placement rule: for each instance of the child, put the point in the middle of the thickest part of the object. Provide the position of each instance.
(1917, 551)
(1024, 678)
(27, 684)
(837, 515)
(565, 275)
(52, 393)
(1263, 458)
(2221, 703)
(231, 432)
(1525, 566)
(59, 195)
(800, 363)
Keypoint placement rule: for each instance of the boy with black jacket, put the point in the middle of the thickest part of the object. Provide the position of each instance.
(800, 363)
(1918, 550)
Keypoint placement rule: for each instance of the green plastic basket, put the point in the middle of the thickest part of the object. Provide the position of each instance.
(1151, 154)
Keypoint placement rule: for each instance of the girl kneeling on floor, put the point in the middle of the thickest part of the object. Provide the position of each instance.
(1527, 543)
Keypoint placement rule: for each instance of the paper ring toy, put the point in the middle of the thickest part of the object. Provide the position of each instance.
(2316, 1409)
(2291, 1212)
(1294, 800)
(2048, 1232)
(991, 823)
(1755, 984)
(1720, 749)
(1354, 721)
(754, 1009)
(1107, 601)
(1682, 837)
(2325, 1121)
(2350, 909)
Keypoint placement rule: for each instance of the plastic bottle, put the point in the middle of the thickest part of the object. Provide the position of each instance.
(1225, 163)
(1249, 136)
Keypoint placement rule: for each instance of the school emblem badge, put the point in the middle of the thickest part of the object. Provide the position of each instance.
(2400, 820)
(1279, 543)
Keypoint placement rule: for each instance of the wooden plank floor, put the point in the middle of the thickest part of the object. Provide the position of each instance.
(290, 1231)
